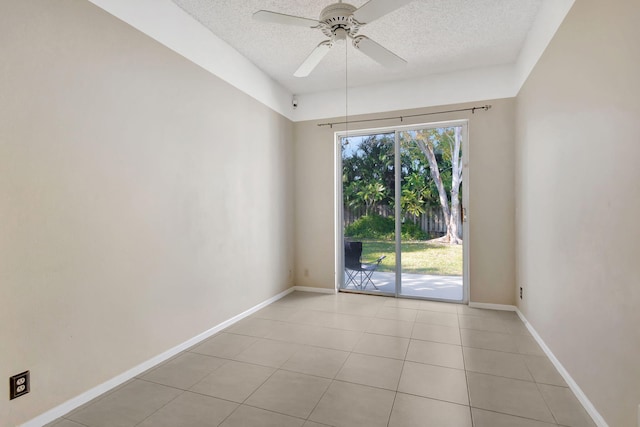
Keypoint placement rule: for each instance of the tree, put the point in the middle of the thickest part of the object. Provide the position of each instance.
(431, 174)
(456, 181)
(368, 173)
(371, 193)
(414, 190)
(425, 140)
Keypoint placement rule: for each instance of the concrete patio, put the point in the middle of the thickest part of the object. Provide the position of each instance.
(417, 285)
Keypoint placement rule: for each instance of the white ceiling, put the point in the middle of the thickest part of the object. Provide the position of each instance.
(457, 50)
(434, 36)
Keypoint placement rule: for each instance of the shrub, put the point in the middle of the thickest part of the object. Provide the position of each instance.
(382, 228)
(411, 231)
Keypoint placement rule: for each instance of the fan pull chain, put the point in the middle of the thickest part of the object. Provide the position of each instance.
(346, 91)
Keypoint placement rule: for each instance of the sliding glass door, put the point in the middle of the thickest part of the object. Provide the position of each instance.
(401, 216)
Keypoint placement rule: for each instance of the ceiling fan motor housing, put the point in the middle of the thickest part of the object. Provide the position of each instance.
(336, 20)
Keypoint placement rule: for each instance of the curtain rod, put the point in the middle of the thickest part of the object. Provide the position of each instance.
(472, 109)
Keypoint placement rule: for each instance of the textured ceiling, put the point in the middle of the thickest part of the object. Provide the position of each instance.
(434, 36)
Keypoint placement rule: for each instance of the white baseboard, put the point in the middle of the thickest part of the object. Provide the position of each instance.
(577, 391)
(503, 307)
(91, 394)
(312, 289)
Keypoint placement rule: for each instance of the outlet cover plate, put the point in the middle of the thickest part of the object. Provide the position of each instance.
(19, 385)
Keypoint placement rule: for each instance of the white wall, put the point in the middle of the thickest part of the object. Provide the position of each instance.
(170, 25)
(491, 197)
(142, 200)
(578, 202)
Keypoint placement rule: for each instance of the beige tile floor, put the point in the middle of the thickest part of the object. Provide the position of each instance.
(318, 360)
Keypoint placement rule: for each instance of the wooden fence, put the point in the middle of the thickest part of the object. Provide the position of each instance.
(431, 222)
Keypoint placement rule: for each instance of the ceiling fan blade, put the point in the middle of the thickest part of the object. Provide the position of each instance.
(374, 9)
(281, 18)
(313, 59)
(378, 53)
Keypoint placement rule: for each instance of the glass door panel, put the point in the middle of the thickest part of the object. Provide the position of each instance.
(368, 220)
(430, 199)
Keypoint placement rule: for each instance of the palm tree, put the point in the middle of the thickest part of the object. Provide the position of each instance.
(372, 193)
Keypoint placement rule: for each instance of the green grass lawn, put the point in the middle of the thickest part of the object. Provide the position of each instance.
(417, 257)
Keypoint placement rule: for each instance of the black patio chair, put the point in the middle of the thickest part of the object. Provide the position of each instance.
(358, 274)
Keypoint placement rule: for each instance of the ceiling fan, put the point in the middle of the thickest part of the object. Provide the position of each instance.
(339, 21)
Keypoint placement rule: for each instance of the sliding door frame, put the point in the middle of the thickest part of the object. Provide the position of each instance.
(338, 197)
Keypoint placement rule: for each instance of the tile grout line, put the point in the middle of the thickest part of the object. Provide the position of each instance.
(466, 376)
(546, 404)
(194, 392)
(246, 405)
(393, 404)
(395, 396)
(522, 356)
(493, 411)
(333, 379)
(69, 419)
(150, 415)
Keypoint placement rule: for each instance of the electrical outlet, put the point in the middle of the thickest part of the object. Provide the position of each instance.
(18, 385)
(520, 292)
